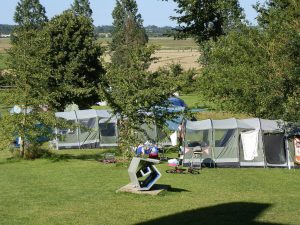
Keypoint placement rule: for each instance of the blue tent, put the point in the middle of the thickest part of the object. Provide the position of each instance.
(177, 102)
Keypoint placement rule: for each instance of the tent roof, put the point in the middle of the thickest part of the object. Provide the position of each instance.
(232, 123)
(176, 102)
(85, 114)
(252, 123)
(270, 125)
(198, 125)
(225, 124)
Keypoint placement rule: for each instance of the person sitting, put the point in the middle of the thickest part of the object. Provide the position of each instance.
(153, 153)
(140, 151)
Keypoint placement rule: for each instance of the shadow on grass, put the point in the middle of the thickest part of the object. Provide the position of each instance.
(56, 157)
(237, 213)
(177, 190)
(65, 157)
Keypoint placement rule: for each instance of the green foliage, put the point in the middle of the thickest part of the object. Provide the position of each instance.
(256, 70)
(206, 19)
(30, 14)
(133, 92)
(50, 66)
(29, 77)
(82, 7)
(128, 27)
(72, 55)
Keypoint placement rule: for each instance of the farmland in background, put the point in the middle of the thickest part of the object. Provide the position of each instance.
(184, 52)
(4, 45)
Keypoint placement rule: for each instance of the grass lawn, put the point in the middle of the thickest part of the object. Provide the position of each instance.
(76, 189)
(3, 58)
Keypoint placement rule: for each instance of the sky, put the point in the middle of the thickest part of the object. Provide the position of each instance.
(154, 12)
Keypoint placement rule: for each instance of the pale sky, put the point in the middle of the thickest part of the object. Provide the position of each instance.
(154, 12)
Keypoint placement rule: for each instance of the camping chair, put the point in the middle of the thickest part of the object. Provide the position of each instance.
(197, 154)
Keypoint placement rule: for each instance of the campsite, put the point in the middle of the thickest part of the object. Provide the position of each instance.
(132, 112)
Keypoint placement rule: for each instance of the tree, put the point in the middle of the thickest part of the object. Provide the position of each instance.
(206, 19)
(135, 93)
(256, 70)
(82, 7)
(132, 90)
(30, 97)
(30, 14)
(28, 76)
(128, 27)
(72, 54)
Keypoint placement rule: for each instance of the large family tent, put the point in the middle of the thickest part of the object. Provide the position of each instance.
(165, 136)
(237, 143)
(87, 129)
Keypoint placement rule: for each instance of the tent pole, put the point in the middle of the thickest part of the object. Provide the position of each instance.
(213, 143)
(98, 128)
(56, 138)
(262, 142)
(286, 141)
(77, 129)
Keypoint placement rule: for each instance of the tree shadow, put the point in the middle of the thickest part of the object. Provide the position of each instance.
(65, 157)
(236, 213)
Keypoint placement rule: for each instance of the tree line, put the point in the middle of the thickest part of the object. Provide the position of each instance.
(56, 62)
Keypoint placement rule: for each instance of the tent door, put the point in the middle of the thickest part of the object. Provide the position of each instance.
(274, 149)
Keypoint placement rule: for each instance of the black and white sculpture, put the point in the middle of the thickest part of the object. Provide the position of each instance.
(143, 174)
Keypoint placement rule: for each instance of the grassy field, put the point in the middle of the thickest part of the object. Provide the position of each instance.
(76, 189)
(165, 43)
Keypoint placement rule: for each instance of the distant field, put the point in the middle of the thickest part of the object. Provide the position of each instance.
(184, 52)
(164, 43)
(4, 44)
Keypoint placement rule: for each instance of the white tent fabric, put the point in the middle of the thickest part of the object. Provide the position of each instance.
(173, 138)
(250, 144)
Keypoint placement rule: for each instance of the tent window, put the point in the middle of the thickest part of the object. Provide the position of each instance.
(107, 129)
(222, 137)
(64, 131)
(197, 137)
(87, 124)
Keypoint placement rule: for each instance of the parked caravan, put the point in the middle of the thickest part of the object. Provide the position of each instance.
(237, 143)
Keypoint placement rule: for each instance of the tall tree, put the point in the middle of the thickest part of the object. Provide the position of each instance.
(29, 95)
(73, 55)
(30, 14)
(26, 75)
(206, 19)
(128, 27)
(133, 91)
(82, 7)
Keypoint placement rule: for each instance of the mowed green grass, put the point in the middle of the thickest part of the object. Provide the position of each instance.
(3, 58)
(80, 190)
